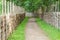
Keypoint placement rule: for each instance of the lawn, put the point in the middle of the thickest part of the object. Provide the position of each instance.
(19, 33)
(51, 31)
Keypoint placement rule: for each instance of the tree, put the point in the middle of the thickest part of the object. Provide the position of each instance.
(34, 5)
(29, 5)
(45, 6)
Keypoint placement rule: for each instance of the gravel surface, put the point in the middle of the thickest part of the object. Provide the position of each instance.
(33, 32)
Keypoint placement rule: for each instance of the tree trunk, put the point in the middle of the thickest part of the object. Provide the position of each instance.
(42, 15)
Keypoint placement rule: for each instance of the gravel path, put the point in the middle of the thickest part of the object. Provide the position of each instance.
(33, 32)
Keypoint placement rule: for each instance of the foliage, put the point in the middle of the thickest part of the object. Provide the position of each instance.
(0, 6)
(59, 5)
(29, 5)
(32, 5)
(46, 4)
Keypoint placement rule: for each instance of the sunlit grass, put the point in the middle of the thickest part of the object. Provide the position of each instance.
(19, 33)
(52, 32)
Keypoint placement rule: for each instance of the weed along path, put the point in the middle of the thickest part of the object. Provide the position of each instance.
(33, 32)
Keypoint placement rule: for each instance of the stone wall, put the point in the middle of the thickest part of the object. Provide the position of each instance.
(59, 20)
(3, 27)
(52, 18)
(10, 18)
(8, 23)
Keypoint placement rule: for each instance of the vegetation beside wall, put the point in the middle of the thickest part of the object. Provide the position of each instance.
(19, 33)
(53, 33)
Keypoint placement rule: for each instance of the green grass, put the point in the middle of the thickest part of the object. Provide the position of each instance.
(52, 32)
(19, 33)
(0, 7)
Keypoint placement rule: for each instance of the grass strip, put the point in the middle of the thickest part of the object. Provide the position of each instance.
(50, 30)
(19, 33)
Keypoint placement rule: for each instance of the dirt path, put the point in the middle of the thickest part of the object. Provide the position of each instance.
(33, 32)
